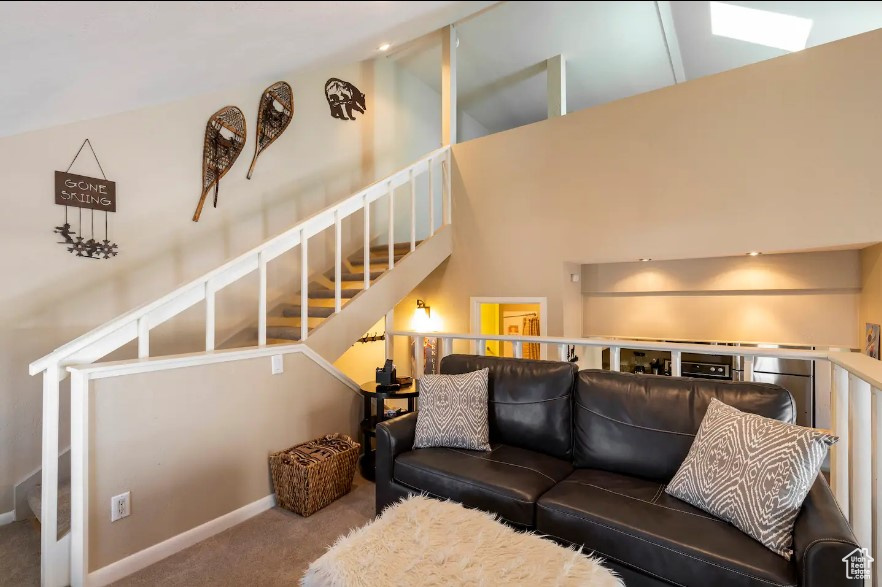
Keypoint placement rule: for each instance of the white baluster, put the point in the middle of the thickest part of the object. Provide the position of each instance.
(481, 347)
(143, 338)
(209, 316)
(564, 351)
(615, 359)
(79, 477)
(391, 194)
(367, 242)
(839, 453)
(412, 211)
(419, 357)
(748, 368)
(446, 194)
(261, 300)
(49, 490)
(518, 349)
(676, 363)
(446, 348)
(431, 199)
(304, 285)
(862, 470)
(338, 261)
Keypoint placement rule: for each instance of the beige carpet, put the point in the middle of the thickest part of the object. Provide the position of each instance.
(19, 555)
(273, 548)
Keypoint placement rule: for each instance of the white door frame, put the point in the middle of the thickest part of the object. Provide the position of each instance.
(475, 315)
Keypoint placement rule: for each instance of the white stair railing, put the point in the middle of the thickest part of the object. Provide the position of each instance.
(856, 400)
(137, 324)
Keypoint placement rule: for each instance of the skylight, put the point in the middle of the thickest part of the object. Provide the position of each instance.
(762, 27)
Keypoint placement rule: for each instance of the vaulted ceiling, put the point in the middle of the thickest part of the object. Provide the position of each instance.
(68, 61)
(612, 49)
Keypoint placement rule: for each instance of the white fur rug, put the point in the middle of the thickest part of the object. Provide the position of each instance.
(426, 542)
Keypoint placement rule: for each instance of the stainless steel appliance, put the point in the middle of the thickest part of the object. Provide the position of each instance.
(705, 370)
(794, 375)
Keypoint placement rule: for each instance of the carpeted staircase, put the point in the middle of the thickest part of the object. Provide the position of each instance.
(35, 499)
(283, 321)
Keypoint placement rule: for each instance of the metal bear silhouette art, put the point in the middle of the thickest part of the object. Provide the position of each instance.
(344, 98)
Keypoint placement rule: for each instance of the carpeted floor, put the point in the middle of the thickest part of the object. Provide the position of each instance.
(19, 555)
(273, 548)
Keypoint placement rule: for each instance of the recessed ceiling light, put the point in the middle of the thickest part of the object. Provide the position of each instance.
(754, 253)
(645, 259)
(384, 47)
(762, 27)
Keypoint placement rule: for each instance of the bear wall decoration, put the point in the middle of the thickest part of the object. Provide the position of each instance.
(344, 98)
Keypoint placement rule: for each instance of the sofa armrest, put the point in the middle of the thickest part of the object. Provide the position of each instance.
(821, 538)
(394, 437)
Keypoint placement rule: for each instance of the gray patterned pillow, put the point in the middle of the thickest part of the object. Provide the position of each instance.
(751, 471)
(453, 411)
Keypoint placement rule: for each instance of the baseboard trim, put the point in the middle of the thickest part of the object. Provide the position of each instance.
(7, 518)
(157, 552)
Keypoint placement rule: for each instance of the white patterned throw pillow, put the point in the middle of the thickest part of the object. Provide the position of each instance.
(751, 471)
(453, 411)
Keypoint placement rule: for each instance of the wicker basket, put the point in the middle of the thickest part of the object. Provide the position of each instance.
(309, 476)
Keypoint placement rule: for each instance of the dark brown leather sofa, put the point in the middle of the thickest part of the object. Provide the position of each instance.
(583, 457)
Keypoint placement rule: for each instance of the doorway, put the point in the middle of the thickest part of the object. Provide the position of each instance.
(513, 317)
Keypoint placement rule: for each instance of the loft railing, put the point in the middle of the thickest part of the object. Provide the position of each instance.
(138, 323)
(856, 401)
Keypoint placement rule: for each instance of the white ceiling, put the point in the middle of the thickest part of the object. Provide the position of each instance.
(613, 50)
(68, 61)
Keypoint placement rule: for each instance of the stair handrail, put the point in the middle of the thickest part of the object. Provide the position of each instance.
(55, 559)
(272, 247)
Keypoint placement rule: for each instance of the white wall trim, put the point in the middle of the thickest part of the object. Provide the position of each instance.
(157, 552)
(475, 312)
(7, 518)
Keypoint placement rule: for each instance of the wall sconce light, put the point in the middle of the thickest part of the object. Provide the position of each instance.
(422, 318)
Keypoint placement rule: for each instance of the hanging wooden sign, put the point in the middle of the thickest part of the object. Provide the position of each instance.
(80, 191)
(225, 136)
(91, 193)
(273, 117)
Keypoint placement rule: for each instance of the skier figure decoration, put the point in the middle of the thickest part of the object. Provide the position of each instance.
(344, 98)
(225, 136)
(273, 116)
(91, 193)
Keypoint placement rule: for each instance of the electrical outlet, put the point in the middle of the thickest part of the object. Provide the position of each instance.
(277, 365)
(120, 506)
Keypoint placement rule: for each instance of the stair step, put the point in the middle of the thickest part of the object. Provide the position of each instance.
(357, 276)
(378, 267)
(35, 499)
(398, 247)
(283, 333)
(293, 311)
(293, 321)
(320, 294)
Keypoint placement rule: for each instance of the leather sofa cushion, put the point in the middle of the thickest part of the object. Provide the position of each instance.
(507, 480)
(634, 522)
(530, 402)
(643, 425)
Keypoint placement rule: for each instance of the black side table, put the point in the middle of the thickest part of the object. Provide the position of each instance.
(371, 391)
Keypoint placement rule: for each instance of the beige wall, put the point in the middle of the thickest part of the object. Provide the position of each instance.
(805, 298)
(778, 156)
(871, 294)
(192, 444)
(154, 155)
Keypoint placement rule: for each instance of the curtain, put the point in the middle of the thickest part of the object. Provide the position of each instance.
(531, 328)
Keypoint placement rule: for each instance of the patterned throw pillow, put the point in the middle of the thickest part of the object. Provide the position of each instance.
(751, 471)
(453, 411)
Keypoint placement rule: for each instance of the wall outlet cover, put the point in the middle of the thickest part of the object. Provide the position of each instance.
(278, 365)
(120, 506)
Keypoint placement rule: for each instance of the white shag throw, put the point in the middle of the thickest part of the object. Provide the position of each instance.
(426, 542)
